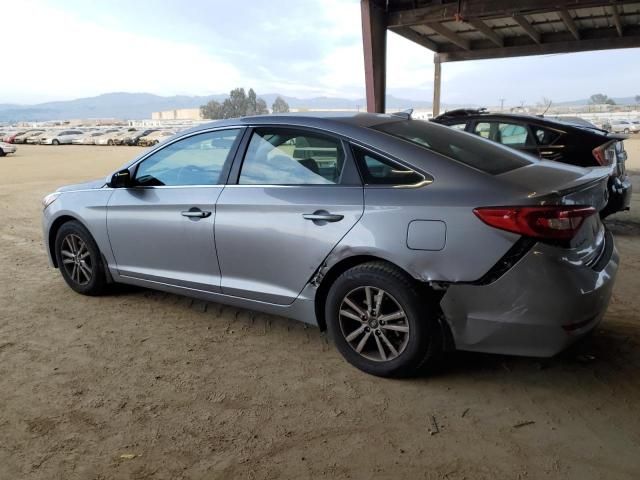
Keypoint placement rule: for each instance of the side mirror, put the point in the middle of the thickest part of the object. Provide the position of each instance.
(121, 179)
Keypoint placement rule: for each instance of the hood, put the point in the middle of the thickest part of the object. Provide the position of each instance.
(92, 185)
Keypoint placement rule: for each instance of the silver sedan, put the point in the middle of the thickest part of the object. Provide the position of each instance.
(400, 237)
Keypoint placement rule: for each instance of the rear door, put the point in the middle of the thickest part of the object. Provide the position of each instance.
(295, 194)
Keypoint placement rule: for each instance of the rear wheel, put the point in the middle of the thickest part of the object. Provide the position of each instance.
(626, 130)
(79, 259)
(110, 142)
(381, 323)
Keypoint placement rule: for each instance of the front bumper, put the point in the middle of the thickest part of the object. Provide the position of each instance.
(539, 307)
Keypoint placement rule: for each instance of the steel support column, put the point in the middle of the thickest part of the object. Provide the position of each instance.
(374, 39)
(436, 84)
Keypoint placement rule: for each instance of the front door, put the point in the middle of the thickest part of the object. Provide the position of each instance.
(296, 195)
(162, 228)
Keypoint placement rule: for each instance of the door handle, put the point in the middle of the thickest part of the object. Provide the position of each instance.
(322, 217)
(195, 213)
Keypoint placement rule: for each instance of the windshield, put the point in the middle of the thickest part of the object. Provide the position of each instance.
(460, 146)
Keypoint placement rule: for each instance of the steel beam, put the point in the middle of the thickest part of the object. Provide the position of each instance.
(487, 31)
(613, 9)
(569, 23)
(529, 30)
(450, 35)
(411, 34)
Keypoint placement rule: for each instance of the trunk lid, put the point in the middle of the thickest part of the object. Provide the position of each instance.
(552, 183)
(557, 183)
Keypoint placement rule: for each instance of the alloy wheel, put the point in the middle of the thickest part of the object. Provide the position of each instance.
(373, 323)
(76, 259)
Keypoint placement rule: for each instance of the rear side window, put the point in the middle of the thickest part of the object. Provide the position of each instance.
(288, 157)
(545, 136)
(377, 170)
(460, 146)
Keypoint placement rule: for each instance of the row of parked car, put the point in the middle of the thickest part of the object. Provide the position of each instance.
(626, 126)
(92, 136)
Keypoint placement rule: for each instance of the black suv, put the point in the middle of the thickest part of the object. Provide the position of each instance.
(562, 141)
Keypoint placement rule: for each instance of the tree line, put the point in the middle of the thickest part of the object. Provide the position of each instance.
(241, 104)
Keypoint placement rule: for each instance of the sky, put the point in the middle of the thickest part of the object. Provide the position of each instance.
(66, 49)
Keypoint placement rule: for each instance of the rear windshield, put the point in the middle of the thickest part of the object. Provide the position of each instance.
(463, 147)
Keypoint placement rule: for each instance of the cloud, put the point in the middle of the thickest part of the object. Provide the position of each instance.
(59, 55)
(73, 48)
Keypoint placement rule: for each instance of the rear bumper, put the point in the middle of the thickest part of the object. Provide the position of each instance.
(620, 190)
(539, 307)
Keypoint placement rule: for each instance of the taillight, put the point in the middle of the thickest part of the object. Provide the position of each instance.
(553, 222)
(604, 154)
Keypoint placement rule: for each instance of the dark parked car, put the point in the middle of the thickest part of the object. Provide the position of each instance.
(561, 141)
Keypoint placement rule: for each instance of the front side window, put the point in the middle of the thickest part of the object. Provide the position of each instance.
(286, 157)
(377, 170)
(195, 160)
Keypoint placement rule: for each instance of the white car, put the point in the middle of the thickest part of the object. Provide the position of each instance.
(61, 137)
(88, 138)
(6, 148)
(35, 139)
(624, 126)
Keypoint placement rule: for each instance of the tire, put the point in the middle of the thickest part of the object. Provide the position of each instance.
(416, 338)
(55, 142)
(76, 252)
(2, 154)
(626, 130)
(110, 142)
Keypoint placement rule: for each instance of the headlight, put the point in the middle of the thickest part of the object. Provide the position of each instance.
(49, 199)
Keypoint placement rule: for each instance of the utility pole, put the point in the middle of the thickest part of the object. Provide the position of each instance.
(502, 104)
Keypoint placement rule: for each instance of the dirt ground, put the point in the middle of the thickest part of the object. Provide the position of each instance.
(140, 385)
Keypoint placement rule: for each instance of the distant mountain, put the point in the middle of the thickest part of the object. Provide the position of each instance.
(586, 101)
(136, 106)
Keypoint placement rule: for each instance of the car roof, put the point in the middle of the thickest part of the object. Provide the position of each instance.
(334, 121)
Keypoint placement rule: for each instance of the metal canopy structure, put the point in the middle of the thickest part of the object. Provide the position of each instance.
(481, 29)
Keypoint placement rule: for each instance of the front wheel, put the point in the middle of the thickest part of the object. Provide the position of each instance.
(381, 323)
(2, 154)
(79, 259)
(55, 142)
(626, 130)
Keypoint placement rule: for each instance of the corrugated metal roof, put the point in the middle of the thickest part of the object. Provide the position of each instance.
(547, 26)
